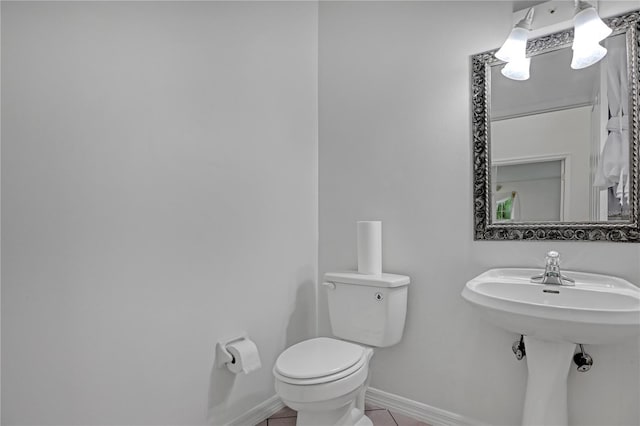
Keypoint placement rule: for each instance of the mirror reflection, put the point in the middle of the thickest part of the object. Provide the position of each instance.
(559, 142)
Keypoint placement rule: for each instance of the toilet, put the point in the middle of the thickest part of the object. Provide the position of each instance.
(325, 379)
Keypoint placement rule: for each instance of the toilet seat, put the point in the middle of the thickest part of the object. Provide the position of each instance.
(319, 360)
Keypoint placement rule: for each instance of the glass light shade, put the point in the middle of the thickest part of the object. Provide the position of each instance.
(515, 46)
(589, 29)
(517, 69)
(587, 56)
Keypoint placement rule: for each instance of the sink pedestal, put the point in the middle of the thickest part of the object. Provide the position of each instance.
(545, 400)
(597, 309)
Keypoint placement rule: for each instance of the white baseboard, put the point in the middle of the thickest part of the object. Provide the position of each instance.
(398, 404)
(417, 410)
(259, 413)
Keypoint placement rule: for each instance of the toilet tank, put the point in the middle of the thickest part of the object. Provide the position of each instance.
(368, 309)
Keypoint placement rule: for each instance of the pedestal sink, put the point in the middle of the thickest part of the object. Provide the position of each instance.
(598, 309)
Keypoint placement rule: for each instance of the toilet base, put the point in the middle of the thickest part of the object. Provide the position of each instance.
(350, 416)
(364, 421)
(342, 411)
(346, 410)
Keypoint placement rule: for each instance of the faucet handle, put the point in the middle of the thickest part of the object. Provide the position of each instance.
(553, 257)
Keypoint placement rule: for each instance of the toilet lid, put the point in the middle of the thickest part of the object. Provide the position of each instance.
(318, 357)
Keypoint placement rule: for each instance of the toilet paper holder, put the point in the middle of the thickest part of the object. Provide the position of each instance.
(223, 356)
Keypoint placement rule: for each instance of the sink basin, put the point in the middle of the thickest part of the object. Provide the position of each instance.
(599, 309)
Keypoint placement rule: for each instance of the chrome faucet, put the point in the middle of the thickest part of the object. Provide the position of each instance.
(552, 274)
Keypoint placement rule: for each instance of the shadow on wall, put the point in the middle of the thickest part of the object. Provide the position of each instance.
(301, 324)
(220, 387)
(221, 384)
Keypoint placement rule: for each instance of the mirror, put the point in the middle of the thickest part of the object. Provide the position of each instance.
(556, 156)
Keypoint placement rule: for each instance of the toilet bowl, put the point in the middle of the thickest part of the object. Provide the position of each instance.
(324, 380)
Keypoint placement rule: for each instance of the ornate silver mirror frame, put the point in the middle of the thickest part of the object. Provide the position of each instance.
(484, 229)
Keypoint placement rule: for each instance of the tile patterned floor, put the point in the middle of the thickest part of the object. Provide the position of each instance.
(379, 417)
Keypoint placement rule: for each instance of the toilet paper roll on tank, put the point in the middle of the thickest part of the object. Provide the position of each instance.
(370, 247)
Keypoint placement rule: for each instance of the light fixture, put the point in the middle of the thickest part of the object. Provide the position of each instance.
(515, 46)
(586, 57)
(589, 31)
(518, 69)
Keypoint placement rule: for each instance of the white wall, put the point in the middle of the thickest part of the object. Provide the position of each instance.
(395, 145)
(159, 192)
